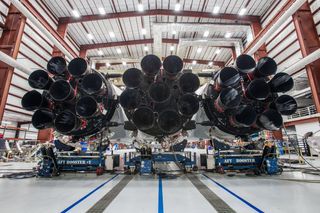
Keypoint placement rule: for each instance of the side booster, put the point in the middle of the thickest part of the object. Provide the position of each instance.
(158, 101)
(242, 100)
(72, 99)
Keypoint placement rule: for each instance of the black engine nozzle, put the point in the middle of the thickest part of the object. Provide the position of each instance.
(40, 79)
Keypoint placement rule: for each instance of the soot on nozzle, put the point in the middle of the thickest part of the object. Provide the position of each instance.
(188, 105)
(67, 122)
(57, 66)
(172, 65)
(40, 79)
(189, 82)
(143, 118)
(43, 118)
(151, 65)
(33, 100)
(244, 116)
(78, 67)
(93, 83)
(87, 106)
(132, 78)
(169, 121)
(61, 90)
(245, 64)
(281, 82)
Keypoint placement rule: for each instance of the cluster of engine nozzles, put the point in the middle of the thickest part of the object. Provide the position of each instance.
(160, 101)
(66, 97)
(247, 98)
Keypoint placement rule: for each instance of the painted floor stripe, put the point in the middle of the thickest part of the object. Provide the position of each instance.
(235, 195)
(160, 197)
(87, 195)
(215, 201)
(107, 199)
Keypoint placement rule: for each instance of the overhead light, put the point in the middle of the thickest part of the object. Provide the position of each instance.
(206, 34)
(75, 13)
(100, 52)
(171, 48)
(118, 50)
(174, 32)
(102, 11)
(111, 34)
(199, 50)
(143, 31)
(216, 10)
(90, 36)
(194, 62)
(146, 48)
(124, 63)
(210, 63)
(228, 35)
(108, 64)
(177, 7)
(242, 11)
(140, 7)
(218, 51)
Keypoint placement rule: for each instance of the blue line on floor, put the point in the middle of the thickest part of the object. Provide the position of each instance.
(87, 195)
(160, 197)
(235, 195)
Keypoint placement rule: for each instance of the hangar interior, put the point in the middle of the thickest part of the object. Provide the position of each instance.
(159, 106)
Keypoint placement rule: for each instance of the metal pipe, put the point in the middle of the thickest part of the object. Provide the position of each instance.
(285, 16)
(38, 24)
(303, 62)
(13, 63)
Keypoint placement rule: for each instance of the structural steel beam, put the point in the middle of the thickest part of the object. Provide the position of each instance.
(309, 43)
(134, 42)
(186, 60)
(157, 12)
(62, 31)
(10, 44)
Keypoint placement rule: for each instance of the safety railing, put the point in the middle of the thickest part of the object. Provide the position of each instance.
(310, 110)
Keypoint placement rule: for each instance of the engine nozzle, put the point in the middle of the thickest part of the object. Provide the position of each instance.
(33, 100)
(40, 79)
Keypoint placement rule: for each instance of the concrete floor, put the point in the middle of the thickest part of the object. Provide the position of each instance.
(77, 193)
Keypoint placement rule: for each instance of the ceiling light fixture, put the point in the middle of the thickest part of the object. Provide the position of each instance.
(242, 11)
(199, 50)
(100, 52)
(171, 48)
(101, 11)
(124, 63)
(140, 7)
(119, 51)
(111, 34)
(75, 13)
(143, 31)
(206, 34)
(146, 48)
(174, 32)
(90, 36)
(210, 63)
(194, 62)
(228, 35)
(108, 64)
(177, 7)
(216, 10)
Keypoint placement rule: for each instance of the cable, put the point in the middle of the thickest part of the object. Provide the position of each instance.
(294, 145)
